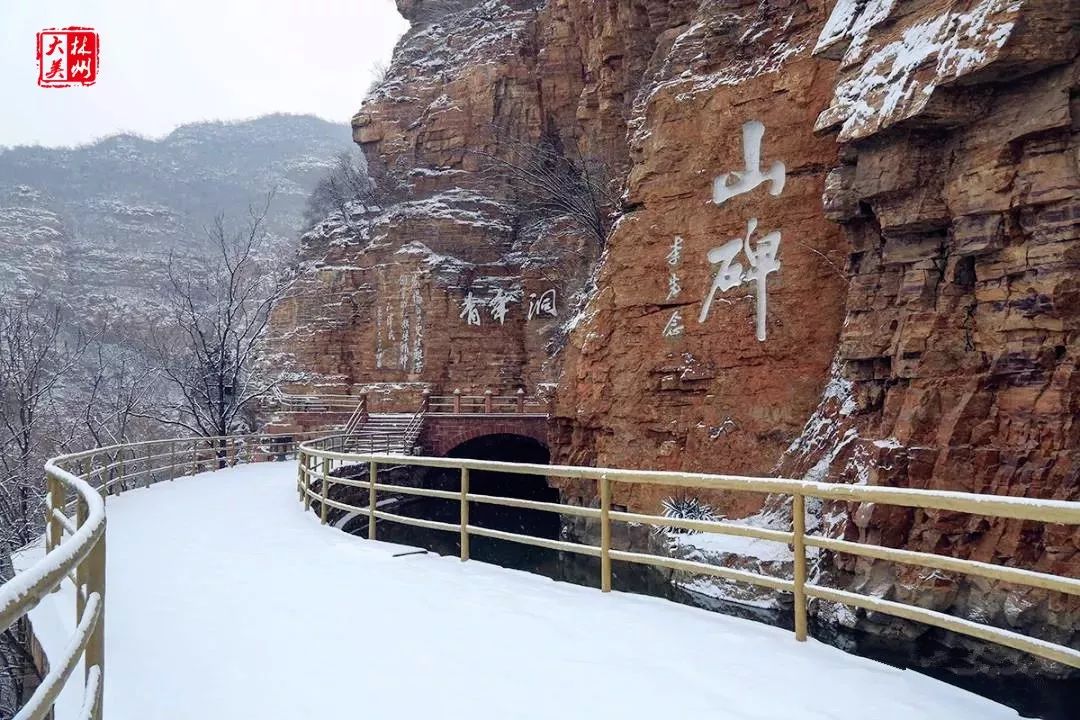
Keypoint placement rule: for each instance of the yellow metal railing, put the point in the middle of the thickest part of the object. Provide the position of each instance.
(79, 483)
(318, 460)
(81, 558)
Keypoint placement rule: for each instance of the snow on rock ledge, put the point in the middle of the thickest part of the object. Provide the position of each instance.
(891, 76)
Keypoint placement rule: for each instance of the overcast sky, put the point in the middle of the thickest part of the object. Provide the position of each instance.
(164, 64)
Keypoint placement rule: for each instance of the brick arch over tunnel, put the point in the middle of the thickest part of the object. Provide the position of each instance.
(441, 434)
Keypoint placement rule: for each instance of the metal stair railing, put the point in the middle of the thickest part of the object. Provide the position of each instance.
(358, 417)
(412, 431)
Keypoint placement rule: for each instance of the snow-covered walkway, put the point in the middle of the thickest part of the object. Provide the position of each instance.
(225, 600)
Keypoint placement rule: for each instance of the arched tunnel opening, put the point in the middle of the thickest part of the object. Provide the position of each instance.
(536, 523)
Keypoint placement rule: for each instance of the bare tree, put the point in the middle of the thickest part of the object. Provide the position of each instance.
(217, 312)
(352, 184)
(118, 382)
(552, 181)
(36, 356)
(119, 385)
(379, 73)
(347, 182)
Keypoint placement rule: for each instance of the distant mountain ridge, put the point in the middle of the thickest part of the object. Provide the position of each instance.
(99, 220)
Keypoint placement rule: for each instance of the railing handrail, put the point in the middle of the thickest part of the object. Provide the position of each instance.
(412, 430)
(83, 454)
(487, 401)
(311, 456)
(1006, 506)
(85, 546)
(357, 418)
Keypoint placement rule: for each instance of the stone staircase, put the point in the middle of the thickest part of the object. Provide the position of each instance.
(395, 433)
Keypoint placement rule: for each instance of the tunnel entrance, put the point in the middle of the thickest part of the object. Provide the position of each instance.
(502, 448)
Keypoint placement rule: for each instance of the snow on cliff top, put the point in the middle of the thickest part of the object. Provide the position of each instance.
(226, 600)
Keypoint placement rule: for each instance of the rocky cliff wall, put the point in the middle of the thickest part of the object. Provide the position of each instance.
(731, 97)
(446, 281)
(921, 283)
(847, 250)
(956, 365)
(441, 282)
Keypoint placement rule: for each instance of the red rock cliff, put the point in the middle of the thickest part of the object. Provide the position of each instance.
(957, 362)
(847, 250)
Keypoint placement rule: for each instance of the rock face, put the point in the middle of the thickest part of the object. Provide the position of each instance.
(847, 250)
(447, 282)
(442, 283)
(728, 88)
(956, 365)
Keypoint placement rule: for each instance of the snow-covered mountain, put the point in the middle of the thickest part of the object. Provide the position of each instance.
(98, 221)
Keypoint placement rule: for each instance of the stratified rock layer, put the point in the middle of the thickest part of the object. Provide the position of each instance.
(441, 285)
(651, 382)
(957, 362)
(847, 251)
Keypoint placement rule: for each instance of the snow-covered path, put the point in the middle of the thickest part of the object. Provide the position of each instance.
(225, 600)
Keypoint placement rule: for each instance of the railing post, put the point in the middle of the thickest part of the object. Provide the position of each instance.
(95, 646)
(798, 526)
(300, 460)
(605, 535)
(149, 463)
(487, 402)
(425, 401)
(81, 511)
(56, 500)
(194, 456)
(365, 411)
(120, 475)
(457, 401)
(373, 474)
(325, 489)
(521, 401)
(464, 514)
(307, 483)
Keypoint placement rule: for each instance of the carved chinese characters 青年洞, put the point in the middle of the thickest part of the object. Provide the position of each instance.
(543, 304)
(500, 302)
(470, 309)
(762, 256)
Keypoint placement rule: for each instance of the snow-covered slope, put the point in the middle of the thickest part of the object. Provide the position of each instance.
(226, 600)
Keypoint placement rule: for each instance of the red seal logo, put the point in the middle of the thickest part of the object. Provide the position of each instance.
(67, 57)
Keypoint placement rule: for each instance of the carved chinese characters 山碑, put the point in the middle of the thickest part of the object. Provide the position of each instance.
(761, 254)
